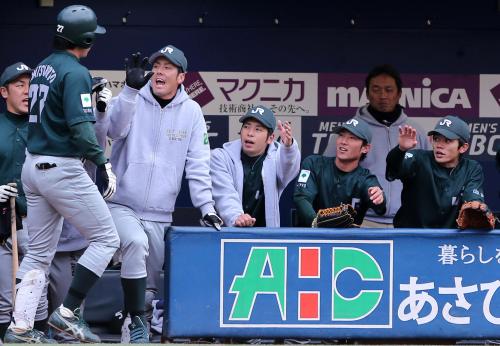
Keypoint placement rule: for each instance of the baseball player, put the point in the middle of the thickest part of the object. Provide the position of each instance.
(159, 133)
(60, 135)
(435, 182)
(326, 182)
(384, 115)
(14, 83)
(249, 174)
(72, 244)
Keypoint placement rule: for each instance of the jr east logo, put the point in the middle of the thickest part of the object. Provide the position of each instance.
(315, 284)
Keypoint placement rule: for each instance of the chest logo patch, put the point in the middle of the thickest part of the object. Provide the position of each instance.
(86, 100)
(408, 155)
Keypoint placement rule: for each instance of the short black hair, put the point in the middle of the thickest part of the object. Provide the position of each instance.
(384, 69)
(60, 43)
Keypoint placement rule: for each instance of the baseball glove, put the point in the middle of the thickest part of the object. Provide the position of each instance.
(475, 215)
(341, 216)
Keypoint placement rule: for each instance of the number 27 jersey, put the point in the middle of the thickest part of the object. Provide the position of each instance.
(59, 97)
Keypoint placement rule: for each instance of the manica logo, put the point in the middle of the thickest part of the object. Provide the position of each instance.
(304, 283)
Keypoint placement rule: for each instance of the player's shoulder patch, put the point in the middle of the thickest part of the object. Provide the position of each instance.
(304, 176)
(86, 100)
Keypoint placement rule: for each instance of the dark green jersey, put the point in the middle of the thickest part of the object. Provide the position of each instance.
(59, 97)
(253, 188)
(13, 134)
(322, 185)
(432, 194)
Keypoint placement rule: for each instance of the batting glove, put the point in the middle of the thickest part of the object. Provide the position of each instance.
(212, 220)
(103, 97)
(134, 71)
(108, 179)
(6, 192)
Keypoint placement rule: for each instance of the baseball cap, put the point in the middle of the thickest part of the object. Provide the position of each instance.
(173, 54)
(452, 127)
(13, 71)
(357, 127)
(262, 114)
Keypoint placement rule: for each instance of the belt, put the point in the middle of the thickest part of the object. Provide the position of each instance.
(45, 165)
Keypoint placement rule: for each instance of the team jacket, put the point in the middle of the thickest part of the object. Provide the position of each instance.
(322, 185)
(279, 168)
(13, 134)
(383, 140)
(432, 195)
(152, 147)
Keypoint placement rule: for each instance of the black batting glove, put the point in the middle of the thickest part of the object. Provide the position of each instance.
(108, 180)
(212, 220)
(134, 71)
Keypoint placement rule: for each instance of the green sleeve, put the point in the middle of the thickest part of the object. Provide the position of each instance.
(306, 191)
(400, 164)
(85, 139)
(473, 189)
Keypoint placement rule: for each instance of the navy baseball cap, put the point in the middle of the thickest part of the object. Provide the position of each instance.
(452, 127)
(13, 71)
(173, 54)
(263, 115)
(357, 127)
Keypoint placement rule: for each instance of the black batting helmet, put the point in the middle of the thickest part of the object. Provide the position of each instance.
(78, 25)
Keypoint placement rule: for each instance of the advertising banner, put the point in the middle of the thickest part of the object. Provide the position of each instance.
(344, 283)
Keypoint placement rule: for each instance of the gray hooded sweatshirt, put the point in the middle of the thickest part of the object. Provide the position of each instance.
(384, 138)
(152, 147)
(280, 166)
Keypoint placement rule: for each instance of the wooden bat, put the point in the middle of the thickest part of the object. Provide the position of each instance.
(13, 237)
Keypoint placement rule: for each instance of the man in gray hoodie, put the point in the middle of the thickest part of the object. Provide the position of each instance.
(249, 174)
(158, 133)
(384, 115)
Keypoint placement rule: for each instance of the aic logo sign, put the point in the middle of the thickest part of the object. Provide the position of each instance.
(306, 284)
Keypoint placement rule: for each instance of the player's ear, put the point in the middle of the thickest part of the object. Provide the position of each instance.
(4, 92)
(463, 148)
(180, 78)
(270, 138)
(365, 148)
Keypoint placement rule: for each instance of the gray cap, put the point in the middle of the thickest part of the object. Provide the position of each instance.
(452, 127)
(263, 115)
(13, 71)
(173, 54)
(357, 127)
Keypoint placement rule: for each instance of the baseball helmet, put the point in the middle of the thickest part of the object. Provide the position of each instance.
(78, 25)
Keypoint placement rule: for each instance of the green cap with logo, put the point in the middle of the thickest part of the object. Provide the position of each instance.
(173, 54)
(357, 127)
(452, 127)
(263, 115)
(13, 71)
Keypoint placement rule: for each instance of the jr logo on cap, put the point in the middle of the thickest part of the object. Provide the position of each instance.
(168, 50)
(258, 110)
(22, 67)
(354, 122)
(445, 122)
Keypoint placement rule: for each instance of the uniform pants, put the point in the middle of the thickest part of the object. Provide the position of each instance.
(65, 191)
(6, 279)
(372, 224)
(142, 246)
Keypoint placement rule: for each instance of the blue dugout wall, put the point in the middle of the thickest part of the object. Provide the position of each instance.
(327, 284)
